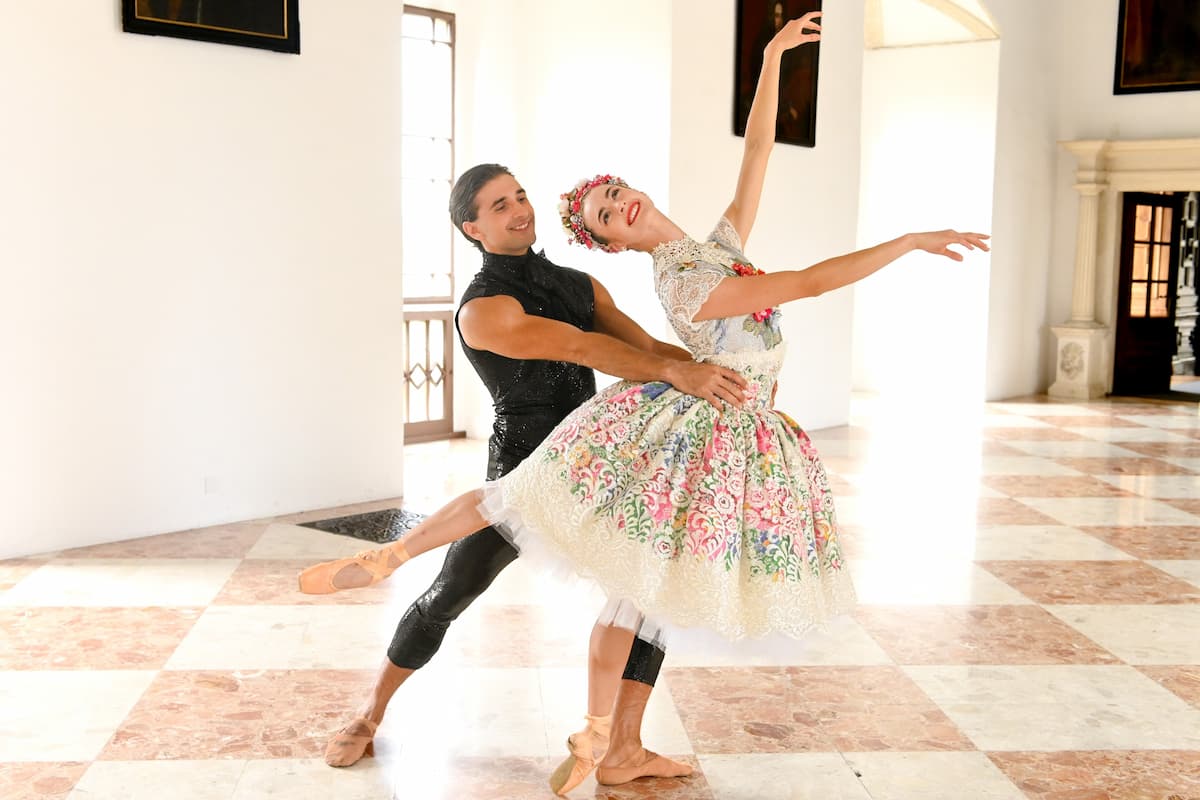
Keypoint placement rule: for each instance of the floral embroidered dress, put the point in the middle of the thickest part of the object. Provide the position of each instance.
(686, 517)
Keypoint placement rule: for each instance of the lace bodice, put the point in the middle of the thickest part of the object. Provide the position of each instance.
(686, 272)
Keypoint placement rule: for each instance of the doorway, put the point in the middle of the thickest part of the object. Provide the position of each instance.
(1151, 344)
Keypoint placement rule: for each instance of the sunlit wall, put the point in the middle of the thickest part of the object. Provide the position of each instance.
(928, 155)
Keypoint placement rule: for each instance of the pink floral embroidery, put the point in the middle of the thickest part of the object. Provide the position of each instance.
(664, 547)
(750, 269)
(762, 438)
(743, 488)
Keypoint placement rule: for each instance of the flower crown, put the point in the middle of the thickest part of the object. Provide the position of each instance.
(570, 210)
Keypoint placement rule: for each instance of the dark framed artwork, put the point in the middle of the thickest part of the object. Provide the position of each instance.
(757, 22)
(1158, 46)
(269, 24)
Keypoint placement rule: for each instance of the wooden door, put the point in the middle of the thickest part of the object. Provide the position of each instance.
(1145, 342)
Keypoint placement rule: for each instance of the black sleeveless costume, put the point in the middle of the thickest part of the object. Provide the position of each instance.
(531, 397)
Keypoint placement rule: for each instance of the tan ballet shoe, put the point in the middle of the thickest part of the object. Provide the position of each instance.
(351, 743)
(651, 765)
(372, 565)
(585, 748)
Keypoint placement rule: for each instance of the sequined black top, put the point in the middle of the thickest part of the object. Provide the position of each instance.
(530, 396)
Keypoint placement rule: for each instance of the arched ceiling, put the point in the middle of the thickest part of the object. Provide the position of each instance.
(909, 23)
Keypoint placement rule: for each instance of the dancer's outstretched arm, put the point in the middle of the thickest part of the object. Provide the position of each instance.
(760, 125)
(747, 294)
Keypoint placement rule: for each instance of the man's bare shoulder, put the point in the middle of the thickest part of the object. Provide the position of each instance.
(482, 319)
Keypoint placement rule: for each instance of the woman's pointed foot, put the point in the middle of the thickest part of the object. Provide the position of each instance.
(643, 764)
(364, 569)
(584, 749)
(351, 743)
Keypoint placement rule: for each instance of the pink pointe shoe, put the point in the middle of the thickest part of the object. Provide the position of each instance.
(364, 569)
(585, 749)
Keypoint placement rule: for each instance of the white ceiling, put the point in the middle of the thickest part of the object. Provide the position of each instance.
(908, 23)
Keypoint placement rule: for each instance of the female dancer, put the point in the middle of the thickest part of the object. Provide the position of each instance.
(686, 516)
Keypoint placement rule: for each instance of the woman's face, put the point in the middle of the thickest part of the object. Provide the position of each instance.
(614, 214)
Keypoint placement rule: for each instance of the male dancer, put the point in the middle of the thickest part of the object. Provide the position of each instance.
(534, 331)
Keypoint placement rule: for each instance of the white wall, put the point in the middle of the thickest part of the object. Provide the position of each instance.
(1054, 84)
(1024, 191)
(203, 242)
(810, 203)
(928, 153)
(601, 105)
(1088, 109)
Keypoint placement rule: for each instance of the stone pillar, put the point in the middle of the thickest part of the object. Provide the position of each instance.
(1082, 360)
(1081, 349)
(1083, 293)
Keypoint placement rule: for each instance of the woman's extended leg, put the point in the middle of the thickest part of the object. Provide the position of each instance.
(608, 653)
(457, 519)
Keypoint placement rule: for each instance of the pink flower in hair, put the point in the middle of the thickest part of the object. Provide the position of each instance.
(570, 210)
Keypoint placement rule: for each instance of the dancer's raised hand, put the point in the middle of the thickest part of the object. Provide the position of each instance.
(797, 32)
(938, 242)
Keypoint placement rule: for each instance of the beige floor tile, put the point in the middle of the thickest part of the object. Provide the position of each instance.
(151, 780)
(782, 776)
(1060, 707)
(1041, 543)
(285, 637)
(122, 582)
(932, 776)
(370, 779)
(1141, 634)
(64, 715)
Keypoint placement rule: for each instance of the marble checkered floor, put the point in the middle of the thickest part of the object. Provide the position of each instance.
(1030, 628)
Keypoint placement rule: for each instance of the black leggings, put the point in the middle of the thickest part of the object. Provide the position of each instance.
(470, 567)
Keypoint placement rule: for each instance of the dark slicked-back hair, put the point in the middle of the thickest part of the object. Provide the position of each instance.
(463, 205)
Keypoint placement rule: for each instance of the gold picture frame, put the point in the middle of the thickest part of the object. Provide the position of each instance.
(1158, 46)
(757, 22)
(267, 24)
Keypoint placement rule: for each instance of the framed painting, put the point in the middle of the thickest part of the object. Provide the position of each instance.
(269, 24)
(1158, 46)
(757, 22)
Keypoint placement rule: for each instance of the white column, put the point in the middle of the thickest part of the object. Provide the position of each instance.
(1083, 294)
(1081, 345)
